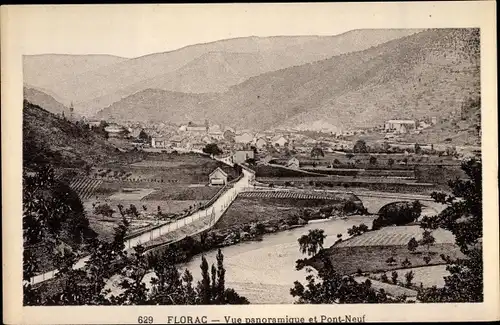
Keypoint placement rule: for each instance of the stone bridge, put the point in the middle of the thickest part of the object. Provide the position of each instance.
(374, 201)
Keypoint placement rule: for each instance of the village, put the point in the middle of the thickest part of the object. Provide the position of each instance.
(392, 137)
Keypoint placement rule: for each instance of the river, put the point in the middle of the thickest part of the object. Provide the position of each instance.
(264, 271)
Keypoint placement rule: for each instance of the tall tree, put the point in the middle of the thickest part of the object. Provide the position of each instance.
(312, 242)
(317, 152)
(204, 288)
(464, 218)
(360, 146)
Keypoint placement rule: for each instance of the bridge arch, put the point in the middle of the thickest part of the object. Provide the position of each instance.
(373, 204)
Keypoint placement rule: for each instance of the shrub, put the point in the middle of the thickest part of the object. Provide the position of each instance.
(397, 213)
(394, 277)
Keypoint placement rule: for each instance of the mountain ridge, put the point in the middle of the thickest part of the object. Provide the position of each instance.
(409, 76)
(110, 82)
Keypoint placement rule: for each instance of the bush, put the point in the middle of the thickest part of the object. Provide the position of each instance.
(397, 213)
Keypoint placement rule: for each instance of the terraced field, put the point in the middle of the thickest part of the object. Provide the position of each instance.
(397, 235)
(292, 195)
(85, 186)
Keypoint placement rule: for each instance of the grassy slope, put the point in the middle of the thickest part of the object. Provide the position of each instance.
(347, 260)
(49, 138)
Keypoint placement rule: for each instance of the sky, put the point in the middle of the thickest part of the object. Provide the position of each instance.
(135, 30)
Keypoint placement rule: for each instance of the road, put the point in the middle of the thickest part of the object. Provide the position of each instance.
(216, 210)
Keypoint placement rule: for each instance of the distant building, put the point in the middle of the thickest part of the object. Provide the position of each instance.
(400, 126)
(433, 120)
(279, 141)
(115, 131)
(293, 163)
(194, 128)
(260, 143)
(176, 141)
(217, 177)
(241, 156)
(243, 138)
(93, 123)
(423, 125)
(267, 159)
(159, 142)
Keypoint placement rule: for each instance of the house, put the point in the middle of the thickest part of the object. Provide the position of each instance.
(260, 143)
(400, 126)
(196, 129)
(243, 138)
(93, 123)
(206, 139)
(267, 159)
(241, 156)
(217, 177)
(158, 142)
(279, 141)
(115, 131)
(176, 141)
(293, 163)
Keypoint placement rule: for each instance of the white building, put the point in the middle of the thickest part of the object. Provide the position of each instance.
(293, 163)
(159, 142)
(217, 177)
(400, 126)
(243, 138)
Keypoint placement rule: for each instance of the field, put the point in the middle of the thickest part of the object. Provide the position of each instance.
(131, 194)
(325, 182)
(362, 160)
(390, 289)
(396, 235)
(183, 193)
(174, 183)
(347, 260)
(165, 168)
(428, 276)
(297, 195)
(85, 187)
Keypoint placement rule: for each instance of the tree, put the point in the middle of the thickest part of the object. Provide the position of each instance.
(312, 242)
(329, 287)
(144, 137)
(397, 213)
(104, 210)
(390, 260)
(418, 149)
(357, 230)
(373, 160)
(384, 278)
(360, 147)
(390, 162)
(406, 263)
(317, 152)
(427, 259)
(394, 277)
(409, 278)
(133, 211)
(212, 149)
(427, 239)
(464, 218)
(349, 155)
(412, 245)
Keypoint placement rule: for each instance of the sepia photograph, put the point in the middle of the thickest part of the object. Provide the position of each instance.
(168, 163)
